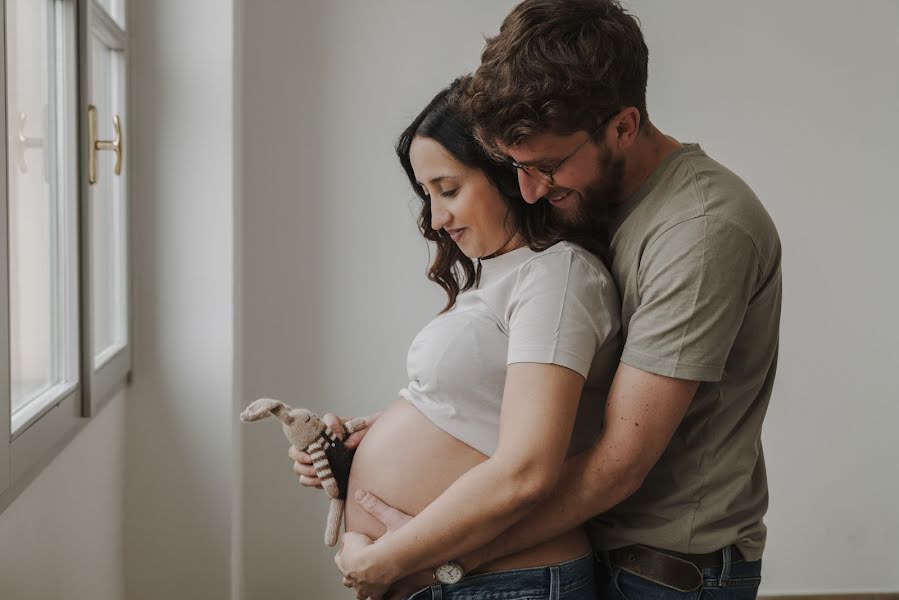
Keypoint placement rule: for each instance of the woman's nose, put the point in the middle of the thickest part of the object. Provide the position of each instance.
(439, 215)
(531, 189)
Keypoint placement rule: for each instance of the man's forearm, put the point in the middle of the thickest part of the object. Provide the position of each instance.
(592, 482)
(431, 537)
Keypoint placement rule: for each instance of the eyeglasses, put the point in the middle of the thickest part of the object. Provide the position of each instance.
(547, 176)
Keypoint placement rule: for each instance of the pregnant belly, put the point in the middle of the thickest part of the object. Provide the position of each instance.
(407, 461)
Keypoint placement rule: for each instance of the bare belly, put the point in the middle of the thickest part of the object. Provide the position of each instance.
(408, 461)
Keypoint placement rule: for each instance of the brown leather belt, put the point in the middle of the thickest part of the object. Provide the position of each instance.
(682, 572)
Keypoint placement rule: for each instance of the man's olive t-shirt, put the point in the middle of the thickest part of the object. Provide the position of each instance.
(697, 261)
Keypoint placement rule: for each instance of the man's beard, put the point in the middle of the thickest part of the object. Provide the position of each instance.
(594, 208)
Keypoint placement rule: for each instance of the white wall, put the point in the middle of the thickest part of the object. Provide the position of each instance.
(277, 228)
(63, 536)
(179, 467)
(797, 97)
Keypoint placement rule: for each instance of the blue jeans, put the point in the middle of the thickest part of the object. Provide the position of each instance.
(572, 580)
(731, 581)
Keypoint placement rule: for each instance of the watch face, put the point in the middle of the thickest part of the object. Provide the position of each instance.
(449, 573)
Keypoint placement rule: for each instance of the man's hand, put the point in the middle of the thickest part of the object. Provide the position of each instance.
(302, 465)
(393, 519)
(390, 517)
(354, 560)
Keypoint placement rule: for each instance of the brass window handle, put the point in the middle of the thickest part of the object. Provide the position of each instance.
(96, 145)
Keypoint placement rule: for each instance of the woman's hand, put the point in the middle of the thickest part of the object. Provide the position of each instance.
(302, 465)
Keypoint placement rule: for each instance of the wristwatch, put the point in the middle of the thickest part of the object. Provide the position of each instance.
(449, 573)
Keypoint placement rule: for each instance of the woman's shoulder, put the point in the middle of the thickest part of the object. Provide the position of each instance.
(567, 286)
(572, 254)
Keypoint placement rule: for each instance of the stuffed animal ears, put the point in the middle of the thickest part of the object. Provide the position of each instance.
(260, 409)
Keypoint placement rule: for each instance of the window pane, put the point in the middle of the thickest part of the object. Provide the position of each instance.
(107, 209)
(42, 204)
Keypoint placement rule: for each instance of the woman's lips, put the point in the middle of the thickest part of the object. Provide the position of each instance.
(455, 234)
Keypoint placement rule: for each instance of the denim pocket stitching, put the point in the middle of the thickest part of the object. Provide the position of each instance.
(661, 590)
(567, 589)
(735, 582)
(617, 574)
(578, 583)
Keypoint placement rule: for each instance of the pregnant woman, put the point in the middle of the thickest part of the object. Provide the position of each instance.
(509, 379)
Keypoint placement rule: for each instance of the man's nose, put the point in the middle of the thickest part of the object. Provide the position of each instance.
(531, 189)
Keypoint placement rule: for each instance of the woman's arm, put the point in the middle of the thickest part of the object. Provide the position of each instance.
(539, 406)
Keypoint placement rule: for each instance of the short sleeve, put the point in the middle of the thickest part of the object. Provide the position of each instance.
(695, 283)
(561, 311)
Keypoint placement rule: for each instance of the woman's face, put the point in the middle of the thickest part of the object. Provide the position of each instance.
(463, 201)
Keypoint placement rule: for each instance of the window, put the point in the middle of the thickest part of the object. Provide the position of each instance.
(41, 206)
(64, 301)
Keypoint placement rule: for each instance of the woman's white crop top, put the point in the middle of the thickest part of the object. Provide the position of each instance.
(559, 306)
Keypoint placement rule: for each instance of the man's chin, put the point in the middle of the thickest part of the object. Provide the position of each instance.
(570, 214)
(567, 208)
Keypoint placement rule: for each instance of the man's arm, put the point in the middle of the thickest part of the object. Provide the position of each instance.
(642, 413)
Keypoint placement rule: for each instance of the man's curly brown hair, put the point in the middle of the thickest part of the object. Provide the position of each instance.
(556, 66)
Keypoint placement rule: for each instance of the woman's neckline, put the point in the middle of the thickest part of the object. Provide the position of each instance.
(505, 261)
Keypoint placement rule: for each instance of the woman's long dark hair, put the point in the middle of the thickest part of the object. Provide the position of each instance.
(538, 226)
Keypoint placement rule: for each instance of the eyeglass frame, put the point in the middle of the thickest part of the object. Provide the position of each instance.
(548, 176)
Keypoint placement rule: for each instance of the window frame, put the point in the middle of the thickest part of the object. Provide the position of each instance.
(24, 456)
(99, 386)
(5, 380)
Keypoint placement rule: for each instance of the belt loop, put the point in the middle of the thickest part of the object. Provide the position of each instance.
(436, 592)
(554, 583)
(603, 556)
(726, 558)
(598, 562)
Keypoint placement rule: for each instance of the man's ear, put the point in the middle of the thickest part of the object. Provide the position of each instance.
(626, 127)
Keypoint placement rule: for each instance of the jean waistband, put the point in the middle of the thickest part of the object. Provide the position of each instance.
(547, 582)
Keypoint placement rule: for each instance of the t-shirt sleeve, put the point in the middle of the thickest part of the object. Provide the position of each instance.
(695, 282)
(562, 309)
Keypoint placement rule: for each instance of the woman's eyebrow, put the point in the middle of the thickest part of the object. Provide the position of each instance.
(440, 178)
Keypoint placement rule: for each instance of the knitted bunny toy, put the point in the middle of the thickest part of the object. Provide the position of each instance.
(329, 456)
